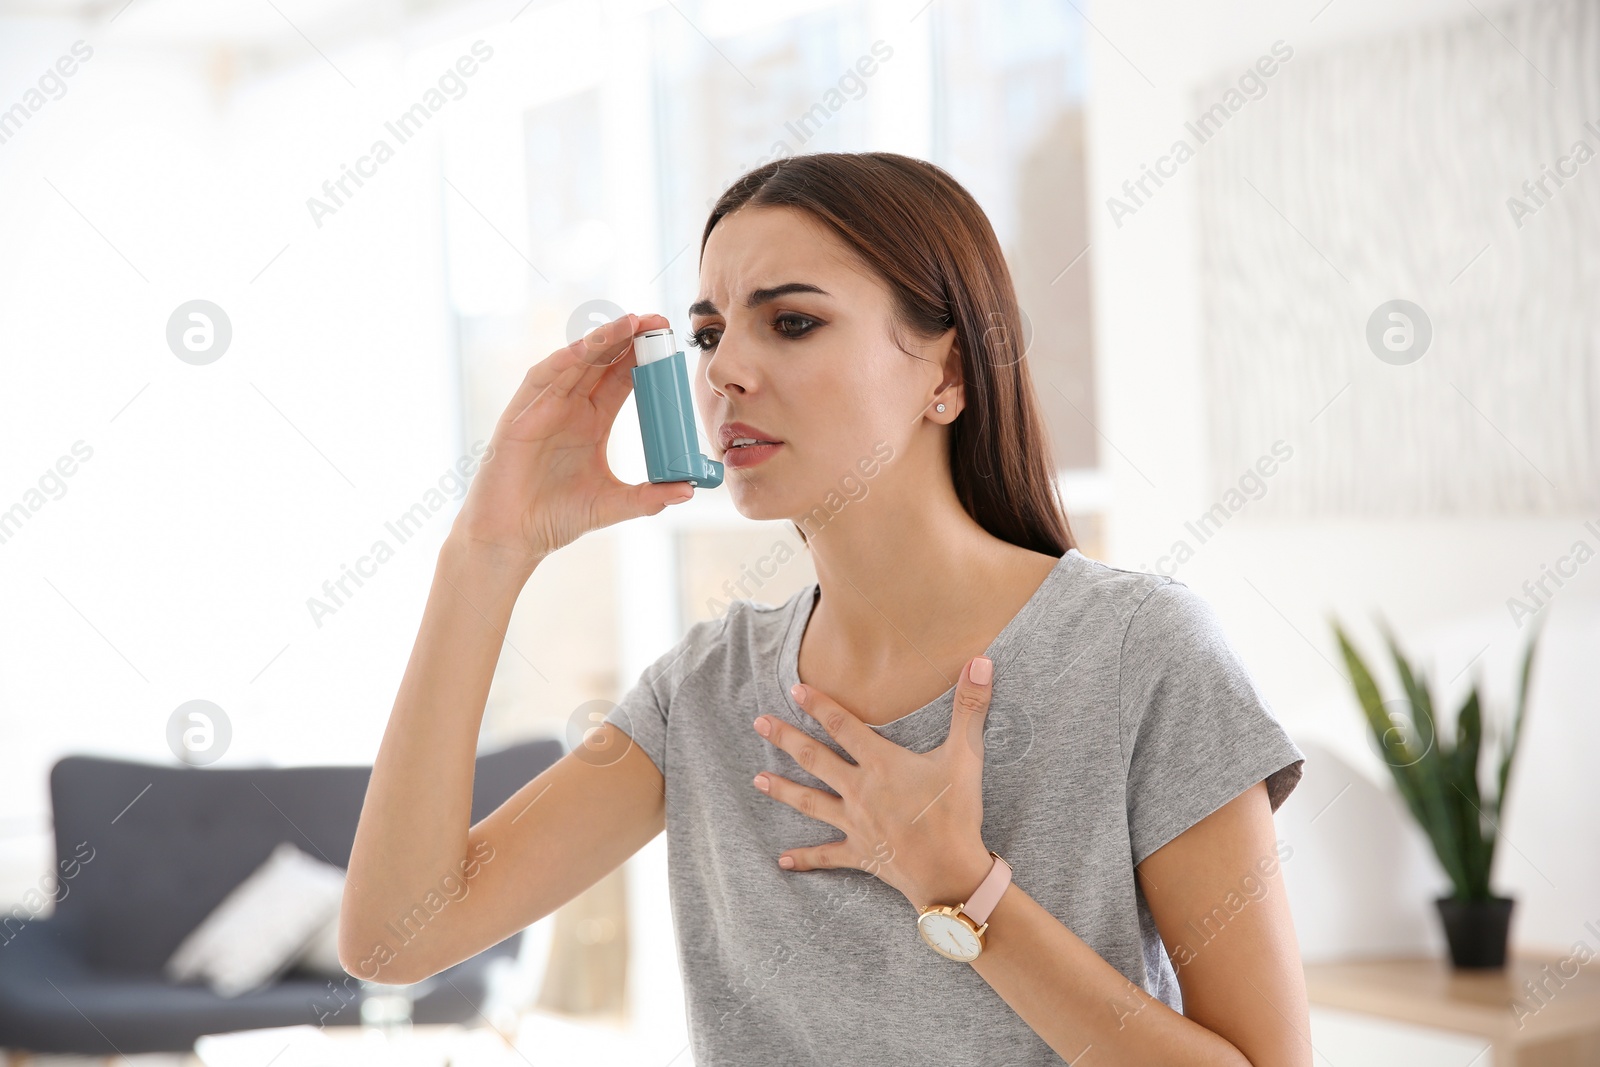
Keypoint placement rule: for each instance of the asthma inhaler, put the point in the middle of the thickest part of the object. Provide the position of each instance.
(666, 413)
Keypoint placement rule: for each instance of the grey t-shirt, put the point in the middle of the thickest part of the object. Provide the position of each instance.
(1121, 716)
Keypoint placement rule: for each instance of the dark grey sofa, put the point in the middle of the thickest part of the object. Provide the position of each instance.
(168, 844)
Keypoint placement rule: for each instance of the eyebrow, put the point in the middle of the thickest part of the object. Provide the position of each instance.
(760, 296)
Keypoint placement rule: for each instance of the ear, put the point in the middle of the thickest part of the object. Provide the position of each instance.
(951, 392)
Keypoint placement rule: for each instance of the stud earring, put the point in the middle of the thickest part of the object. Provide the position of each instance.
(939, 408)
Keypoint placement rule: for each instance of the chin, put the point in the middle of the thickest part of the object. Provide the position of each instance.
(756, 502)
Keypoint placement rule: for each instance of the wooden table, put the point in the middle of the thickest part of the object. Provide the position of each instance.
(1555, 1022)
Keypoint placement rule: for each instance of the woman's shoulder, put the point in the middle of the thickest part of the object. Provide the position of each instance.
(1095, 613)
(742, 633)
(1122, 581)
(726, 619)
(1093, 594)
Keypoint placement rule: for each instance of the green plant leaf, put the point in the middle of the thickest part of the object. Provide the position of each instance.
(1397, 754)
(1477, 847)
(1516, 722)
(1440, 783)
(1433, 788)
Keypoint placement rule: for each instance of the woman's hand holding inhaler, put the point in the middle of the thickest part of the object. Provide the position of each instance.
(545, 480)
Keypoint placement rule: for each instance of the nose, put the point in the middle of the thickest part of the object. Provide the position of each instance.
(727, 372)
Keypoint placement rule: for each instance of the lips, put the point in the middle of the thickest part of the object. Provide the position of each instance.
(747, 456)
(733, 431)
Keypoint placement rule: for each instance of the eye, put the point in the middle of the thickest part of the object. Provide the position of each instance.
(698, 340)
(790, 318)
(788, 324)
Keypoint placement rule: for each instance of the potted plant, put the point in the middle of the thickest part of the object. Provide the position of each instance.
(1440, 785)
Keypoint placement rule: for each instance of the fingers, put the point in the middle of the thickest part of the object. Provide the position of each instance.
(817, 857)
(598, 351)
(613, 387)
(815, 758)
(616, 380)
(578, 366)
(813, 803)
(582, 363)
(620, 501)
(971, 707)
(853, 735)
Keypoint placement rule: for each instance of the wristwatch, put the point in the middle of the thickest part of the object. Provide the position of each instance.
(955, 931)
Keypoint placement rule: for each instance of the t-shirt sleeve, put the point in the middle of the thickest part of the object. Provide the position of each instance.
(1196, 731)
(642, 711)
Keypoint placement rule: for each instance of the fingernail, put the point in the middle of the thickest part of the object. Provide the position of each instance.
(761, 783)
(785, 861)
(798, 691)
(982, 671)
(762, 727)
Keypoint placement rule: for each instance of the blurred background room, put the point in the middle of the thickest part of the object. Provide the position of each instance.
(1309, 290)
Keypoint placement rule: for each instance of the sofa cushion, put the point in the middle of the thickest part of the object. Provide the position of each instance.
(262, 925)
(170, 842)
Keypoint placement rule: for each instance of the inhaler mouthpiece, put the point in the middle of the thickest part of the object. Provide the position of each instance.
(666, 413)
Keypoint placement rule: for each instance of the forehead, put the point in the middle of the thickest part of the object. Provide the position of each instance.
(756, 247)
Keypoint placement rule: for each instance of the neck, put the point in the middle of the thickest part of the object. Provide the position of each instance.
(899, 573)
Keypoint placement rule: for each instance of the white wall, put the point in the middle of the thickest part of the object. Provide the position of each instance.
(1442, 583)
(218, 498)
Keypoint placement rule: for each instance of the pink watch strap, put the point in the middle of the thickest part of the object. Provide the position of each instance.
(987, 895)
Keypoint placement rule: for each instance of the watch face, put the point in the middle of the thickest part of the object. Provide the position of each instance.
(949, 936)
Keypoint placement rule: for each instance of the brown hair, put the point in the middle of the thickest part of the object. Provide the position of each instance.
(914, 225)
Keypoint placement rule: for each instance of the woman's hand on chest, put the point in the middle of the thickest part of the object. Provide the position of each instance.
(912, 819)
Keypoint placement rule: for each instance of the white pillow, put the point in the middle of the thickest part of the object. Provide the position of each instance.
(255, 933)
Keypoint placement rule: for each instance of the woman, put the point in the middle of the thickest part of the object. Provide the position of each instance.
(967, 681)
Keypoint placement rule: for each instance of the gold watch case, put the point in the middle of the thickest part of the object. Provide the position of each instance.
(950, 932)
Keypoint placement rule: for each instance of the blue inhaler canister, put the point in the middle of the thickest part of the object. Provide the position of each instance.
(666, 413)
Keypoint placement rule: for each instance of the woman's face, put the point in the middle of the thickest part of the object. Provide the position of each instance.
(812, 365)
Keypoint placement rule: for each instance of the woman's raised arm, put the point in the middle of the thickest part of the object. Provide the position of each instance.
(425, 888)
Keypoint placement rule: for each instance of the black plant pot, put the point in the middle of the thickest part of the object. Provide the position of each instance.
(1477, 930)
